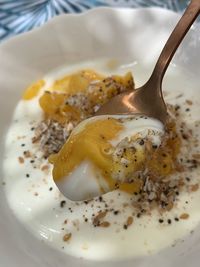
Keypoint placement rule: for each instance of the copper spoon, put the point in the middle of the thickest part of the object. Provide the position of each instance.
(148, 99)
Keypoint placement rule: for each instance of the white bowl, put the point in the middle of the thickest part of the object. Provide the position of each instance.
(134, 35)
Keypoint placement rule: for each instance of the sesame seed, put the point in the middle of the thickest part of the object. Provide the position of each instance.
(21, 160)
(66, 237)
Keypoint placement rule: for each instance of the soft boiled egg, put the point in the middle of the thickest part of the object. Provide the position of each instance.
(103, 153)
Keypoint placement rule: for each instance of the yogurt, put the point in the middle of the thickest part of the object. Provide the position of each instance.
(70, 226)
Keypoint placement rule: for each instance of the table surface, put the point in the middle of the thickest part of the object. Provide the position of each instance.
(17, 16)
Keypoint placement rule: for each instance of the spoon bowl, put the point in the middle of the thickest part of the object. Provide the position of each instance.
(138, 101)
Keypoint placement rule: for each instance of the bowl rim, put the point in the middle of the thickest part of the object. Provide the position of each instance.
(59, 18)
(98, 9)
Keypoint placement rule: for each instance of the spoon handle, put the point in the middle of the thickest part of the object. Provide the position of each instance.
(184, 24)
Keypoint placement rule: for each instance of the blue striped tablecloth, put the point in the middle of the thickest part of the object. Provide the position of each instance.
(18, 16)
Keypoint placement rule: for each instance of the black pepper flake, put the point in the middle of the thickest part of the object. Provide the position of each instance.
(86, 219)
(141, 142)
(184, 136)
(27, 175)
(169, 221)
(176, 219)
(187, 179)
(32, 161)
(116, 212)
(62, 203)
(187, 109)
(22, 144)
(125, 226)
(138, 215)
(161, 220)
(33, 128)
(100, 199)
(50, 188)
(70, 209)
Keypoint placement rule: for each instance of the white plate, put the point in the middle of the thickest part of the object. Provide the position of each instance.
(136, 35)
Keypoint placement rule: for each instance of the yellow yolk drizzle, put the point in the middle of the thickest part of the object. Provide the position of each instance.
(91, 143)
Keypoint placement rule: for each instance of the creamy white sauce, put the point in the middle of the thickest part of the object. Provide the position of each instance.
(35, 200)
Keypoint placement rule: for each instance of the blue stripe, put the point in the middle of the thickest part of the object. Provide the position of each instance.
(17, 16)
